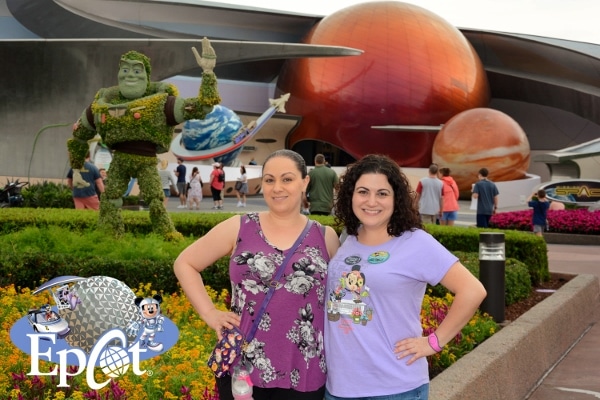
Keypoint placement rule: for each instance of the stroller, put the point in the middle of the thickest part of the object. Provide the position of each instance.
(10, 195)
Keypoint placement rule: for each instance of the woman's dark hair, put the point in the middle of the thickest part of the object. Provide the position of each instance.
(243, 169)
(292, 155)
(194, 170)
(405, 216)
(445, 171)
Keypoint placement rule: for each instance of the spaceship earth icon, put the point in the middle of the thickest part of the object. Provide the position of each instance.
(106, 303)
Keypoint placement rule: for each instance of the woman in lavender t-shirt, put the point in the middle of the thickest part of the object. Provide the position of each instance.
(376, 282)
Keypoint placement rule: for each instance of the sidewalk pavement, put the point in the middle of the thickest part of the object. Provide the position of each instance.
(575, 376)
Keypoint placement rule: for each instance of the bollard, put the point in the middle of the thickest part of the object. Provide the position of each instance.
(492, 263)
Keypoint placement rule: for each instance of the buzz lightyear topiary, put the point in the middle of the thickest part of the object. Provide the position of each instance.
(136, 120)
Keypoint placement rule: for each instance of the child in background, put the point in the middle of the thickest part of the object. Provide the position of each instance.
(540, 211)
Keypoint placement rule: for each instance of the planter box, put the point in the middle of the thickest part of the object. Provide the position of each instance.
(510, 363)
(574, 239)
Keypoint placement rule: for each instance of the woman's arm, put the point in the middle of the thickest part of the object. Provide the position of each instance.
(468, 295)
(218, 242)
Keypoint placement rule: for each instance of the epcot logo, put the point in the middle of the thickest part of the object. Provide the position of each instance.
(95, 322)
(114, 361)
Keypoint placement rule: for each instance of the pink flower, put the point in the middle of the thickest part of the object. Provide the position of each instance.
(578, 221)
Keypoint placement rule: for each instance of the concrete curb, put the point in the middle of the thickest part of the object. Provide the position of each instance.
(577, 240)
(510, 363)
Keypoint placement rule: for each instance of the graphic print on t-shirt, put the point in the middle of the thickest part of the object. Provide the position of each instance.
(347, 298)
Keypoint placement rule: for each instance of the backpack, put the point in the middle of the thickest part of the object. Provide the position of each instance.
(221, 177)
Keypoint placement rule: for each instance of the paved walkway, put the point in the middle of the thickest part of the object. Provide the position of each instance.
(577, 375)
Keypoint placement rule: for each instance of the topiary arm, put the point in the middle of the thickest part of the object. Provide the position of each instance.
(78, 147)
(208, 94)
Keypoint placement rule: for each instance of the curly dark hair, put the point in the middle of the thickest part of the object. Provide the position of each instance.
(405, 216)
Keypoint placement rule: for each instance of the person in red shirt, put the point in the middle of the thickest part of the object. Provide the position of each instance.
(217, 184)
(450, 193)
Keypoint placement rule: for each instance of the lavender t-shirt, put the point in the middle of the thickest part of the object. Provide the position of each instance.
(374, 297)
(287, 350)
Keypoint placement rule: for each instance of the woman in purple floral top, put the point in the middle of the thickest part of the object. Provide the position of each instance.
(287, 349)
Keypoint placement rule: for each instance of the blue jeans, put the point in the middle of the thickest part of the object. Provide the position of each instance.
(420, 393)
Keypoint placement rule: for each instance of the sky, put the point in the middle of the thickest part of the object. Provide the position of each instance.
(563, 19)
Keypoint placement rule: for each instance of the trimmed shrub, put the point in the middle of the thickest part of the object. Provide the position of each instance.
(47, 195)
(529, 249)
(517, 280)
(44, 243)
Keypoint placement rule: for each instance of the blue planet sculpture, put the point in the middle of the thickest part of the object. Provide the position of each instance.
(217, 129)
(221, 135)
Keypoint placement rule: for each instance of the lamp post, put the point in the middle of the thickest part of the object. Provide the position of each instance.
(492, 263)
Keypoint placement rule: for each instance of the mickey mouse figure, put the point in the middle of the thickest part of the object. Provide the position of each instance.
(150, 319)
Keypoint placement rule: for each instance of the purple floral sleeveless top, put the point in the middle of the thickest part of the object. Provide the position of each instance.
(287, 349)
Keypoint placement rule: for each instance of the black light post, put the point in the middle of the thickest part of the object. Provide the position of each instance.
(492, 264)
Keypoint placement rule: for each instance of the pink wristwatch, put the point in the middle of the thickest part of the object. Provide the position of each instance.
(434, 342)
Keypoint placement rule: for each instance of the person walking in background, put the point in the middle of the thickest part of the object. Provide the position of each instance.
(252, 161)
(195, 192)
(87, 197)
(376, 283)
(217, 183)
(486, 193)
(540, 211)
(241, 187)
(180, 172)
(286, 350)
(450, 195)
(429, 196)
(321, 187)
(167, 179)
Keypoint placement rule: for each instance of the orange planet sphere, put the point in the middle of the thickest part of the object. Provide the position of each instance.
(416, 69)
(478, 138)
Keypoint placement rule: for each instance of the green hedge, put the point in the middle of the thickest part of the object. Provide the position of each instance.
(136, 222)
(48, 195)
(29, 270)
(39, 244)
(33, 255)
(530, 249)
(517, 285)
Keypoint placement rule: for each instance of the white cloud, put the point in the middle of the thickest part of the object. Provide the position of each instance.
(572, 19)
